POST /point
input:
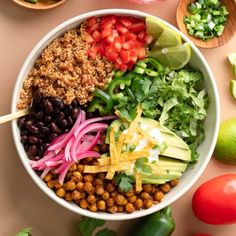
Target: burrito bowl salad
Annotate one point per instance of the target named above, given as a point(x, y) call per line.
point(116, 113)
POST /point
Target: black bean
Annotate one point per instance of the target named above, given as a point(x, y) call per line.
point(40, 115)
point(64, 123)
point(33, 139)
point(54, 128)
point(33, 129)
point(70, 121)
point(58, 103)
point(24, 132)
point(29, 122)
point(67, 109)
point(33, 150)
point(47, 119)
point(45, 130)
point(66, 131)
point(40, 141)
point(40, 151)
point(60, 116)
point(74, 103)
point(21, 122)
point(35, 158)
point(46, 145)
point(40, 125)
point(48, 106)
point(52, 136)
point(24, 139)
point(75, 113)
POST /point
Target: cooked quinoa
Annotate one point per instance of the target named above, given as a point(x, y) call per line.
point(65, 71)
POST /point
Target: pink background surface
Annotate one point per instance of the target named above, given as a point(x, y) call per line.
point(22, 203)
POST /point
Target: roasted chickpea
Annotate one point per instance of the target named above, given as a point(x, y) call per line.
point(80, 168)
point(51, 184)
point(98, 182)
point(114, 194)
point(129, 207)
point(112, 209)
point(68, 197)
point(144, 195)
point(57, 184)
point(83, 204)
point(99, 190)
point(70, 185)
point(120, 200)
point(101, 176)
point(132, 199)
point(88, 178)
point(130, 193)
point(88, 187)
point(110, 187)
point(68, 175)
point(110, 202)
point(165, 188)
point(101, 205)
point(138, 203)
point(104, 148)
point(105, 195)
point(147, 188)
point(73, 168)
point(120, 209)
point(174, 182)
point(91, 199)
point(60, 192)
point(77, 176)
point(48, 177)
point(93, 208)
point(147, 203)
point(158, 196)
point(76, 195)
point(80, 186)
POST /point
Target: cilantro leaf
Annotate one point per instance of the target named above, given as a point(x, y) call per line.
point(125, 182)
point(24, 232)
point(88, 225)
point(105, 232)
point(142, 167)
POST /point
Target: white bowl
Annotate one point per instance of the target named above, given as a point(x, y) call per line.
point(205, 149)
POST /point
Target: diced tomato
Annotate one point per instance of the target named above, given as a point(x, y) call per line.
point(125, 22)
point(133, 60)
point(125, 56)
point(137, 27)
point(91, 21)
point(148, 39)
point(133, 53)
point(89, 38)
point(92, 28)
point(106, 33)
point(119, 61)
point(96, 36)
point(92, 52)
point(123, 67)
point(121, 29)
point(112, 56)
point(110, 39)
point(100, 49)
point(130, 36)
point(126, 46)
point(115, 33)
point(142, 35)
point(117, 45)
point(141, 53)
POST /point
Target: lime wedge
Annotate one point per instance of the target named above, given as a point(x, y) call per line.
point(174, 57)
point(168, 38)
point(232, 87)
point(232, 60)
point(154, 27)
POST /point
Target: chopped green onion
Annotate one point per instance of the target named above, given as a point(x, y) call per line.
point(207, 19)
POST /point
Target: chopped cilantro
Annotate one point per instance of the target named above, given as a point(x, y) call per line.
point(125, 182)
point(142, 167)
point(24, 232)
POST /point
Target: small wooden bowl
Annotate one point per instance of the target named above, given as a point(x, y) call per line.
point(229, 31)
point(41, 5)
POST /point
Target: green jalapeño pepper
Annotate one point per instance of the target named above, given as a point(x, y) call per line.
point(119, 83)
point(101, 102)
point(159, 223)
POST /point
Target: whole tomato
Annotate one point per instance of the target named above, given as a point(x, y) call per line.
point(214, 202)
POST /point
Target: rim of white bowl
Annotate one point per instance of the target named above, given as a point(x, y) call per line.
point(36, 178)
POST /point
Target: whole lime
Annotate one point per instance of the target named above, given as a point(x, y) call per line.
point(225, 150)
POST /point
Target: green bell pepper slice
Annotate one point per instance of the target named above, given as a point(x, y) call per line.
point(101, 102)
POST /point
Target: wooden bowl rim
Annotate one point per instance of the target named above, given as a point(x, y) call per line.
point(36, 7)
point(198, 42)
